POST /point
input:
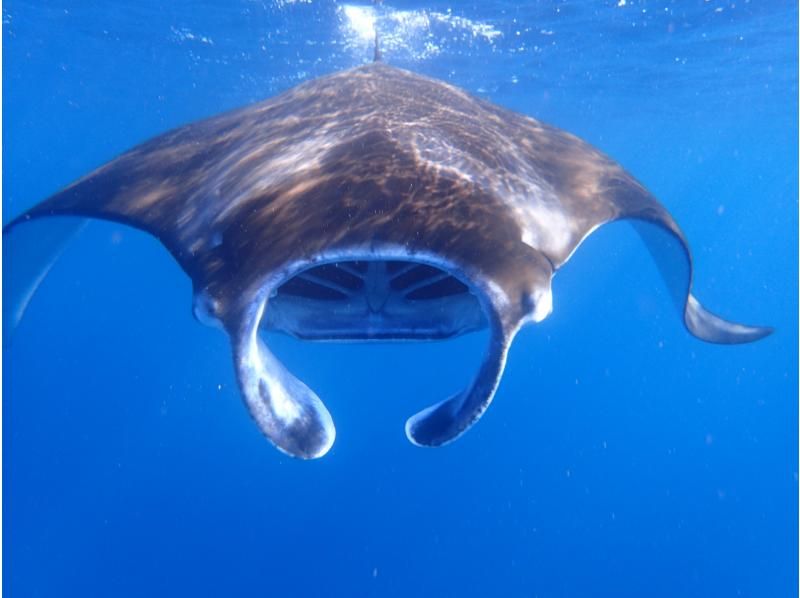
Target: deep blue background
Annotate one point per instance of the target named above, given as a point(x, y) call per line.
point(621, 457)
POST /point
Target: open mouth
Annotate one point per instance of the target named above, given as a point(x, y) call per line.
point(380, 297)
point(374, 299)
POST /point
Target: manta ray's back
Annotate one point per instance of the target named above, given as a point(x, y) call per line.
point(370, 204)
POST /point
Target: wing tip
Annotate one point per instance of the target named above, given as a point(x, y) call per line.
point(711, 328)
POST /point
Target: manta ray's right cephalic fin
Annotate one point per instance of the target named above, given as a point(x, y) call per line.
point(289, 413)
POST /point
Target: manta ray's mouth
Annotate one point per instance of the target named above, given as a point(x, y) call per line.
point(364, 296)
point(374, 299)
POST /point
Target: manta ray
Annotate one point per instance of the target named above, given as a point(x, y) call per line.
point(373, 204)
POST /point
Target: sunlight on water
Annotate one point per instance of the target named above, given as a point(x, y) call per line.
point(359, 22)
point(408, 34)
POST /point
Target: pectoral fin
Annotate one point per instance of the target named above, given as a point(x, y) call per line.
point(29, 251)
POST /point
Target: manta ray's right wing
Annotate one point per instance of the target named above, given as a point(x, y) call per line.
point(28, 254)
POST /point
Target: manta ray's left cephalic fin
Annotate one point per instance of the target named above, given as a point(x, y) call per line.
point(506, 307)
point(447, 420)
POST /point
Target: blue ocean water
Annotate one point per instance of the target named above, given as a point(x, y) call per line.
point(621, 456)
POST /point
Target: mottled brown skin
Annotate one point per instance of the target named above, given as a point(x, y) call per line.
point(381, 181)
point(374, 163)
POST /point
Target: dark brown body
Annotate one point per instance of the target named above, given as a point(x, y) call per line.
point(371, 155)
point(374, 164)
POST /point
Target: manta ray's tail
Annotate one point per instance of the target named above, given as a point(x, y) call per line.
point(377, 57)
point(30, 248)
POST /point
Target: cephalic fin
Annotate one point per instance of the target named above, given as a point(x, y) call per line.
point(287, 411)
point(445, 421)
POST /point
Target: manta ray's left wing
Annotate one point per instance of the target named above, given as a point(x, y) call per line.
point(584, 189)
